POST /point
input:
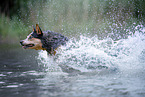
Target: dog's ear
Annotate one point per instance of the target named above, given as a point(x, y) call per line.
point(34, 30)
point(38, 30)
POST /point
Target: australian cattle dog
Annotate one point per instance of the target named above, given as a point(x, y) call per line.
point(43, 40)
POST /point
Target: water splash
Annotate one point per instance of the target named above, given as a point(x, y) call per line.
point(91, 54)
point(48, 62)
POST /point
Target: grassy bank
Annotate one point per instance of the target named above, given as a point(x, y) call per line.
point(74, 17)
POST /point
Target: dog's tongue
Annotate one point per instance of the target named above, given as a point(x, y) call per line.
point(24, 47)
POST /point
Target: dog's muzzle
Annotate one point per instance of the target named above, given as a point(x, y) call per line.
point(25, 46)
point(21, 42)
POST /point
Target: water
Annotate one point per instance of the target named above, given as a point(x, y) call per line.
point(86, 67)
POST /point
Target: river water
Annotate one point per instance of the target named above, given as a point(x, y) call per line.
point(85, 67)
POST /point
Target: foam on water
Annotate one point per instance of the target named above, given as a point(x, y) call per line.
point(91, 54)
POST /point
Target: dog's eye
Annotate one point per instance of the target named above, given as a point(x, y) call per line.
point(30, 37)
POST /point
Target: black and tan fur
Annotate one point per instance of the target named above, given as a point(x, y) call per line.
point(43, 40)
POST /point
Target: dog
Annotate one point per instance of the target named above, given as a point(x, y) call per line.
point(44, 40)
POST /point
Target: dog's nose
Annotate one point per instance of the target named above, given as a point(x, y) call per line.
point(21, 42)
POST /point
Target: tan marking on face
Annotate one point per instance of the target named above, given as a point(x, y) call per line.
point(37, 43)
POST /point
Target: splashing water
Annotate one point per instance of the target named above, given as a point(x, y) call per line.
point(92, 54)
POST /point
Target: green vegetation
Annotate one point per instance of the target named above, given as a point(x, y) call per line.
point(73, 17)
point(11, 27)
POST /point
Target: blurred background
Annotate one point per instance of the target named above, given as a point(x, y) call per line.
point(104, 18)
point(105, 56)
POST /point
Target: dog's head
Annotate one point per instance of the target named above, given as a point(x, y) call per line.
point(33, 40)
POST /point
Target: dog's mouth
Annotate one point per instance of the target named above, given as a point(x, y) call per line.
point(28, 45)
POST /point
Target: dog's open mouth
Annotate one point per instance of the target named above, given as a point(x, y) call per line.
point(27, 46)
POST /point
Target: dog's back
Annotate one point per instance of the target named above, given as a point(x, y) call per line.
point(52, 40)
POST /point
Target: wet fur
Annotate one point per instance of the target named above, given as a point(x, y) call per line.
point(52, 40)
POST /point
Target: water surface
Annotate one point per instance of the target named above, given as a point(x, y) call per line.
point(87, 67)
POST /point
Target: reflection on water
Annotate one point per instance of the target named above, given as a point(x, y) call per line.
point(15, 66)
point(29, 73)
